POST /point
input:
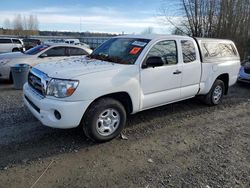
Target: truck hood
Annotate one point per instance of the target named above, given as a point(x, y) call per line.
point(73, 67)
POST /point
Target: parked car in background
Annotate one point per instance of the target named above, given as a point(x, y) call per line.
point(126, 75)
point(53, 41)
point(30, 43)
point(11, 45)
point(72, 41)
point(244, 75)
point(67, 41)
point(39, 54)
point(84, 44)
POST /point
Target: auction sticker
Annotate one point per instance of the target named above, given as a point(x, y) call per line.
point(138, 43)
point(134, 50)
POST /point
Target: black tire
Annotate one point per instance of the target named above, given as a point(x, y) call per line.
point(10, 78)
point(91, 119)
point(239, 83)
point(210, 99)
point(15, 50)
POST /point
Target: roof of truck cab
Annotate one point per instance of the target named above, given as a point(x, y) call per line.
point(154, 36)
point(159, 36)
point(213, 39)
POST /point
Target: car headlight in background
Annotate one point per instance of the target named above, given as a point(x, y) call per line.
point(61, 88)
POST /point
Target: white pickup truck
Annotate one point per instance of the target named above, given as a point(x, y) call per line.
point(126, 75)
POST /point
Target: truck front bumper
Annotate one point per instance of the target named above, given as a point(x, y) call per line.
point(54, 113)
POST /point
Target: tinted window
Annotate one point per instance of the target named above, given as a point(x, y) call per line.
point(167, 50)
point(120, 50)
point(56, 51)
point(212, 49)
point(4, 41)
point(16, 41)
point(76, 51)
point(188, 51)
point(36, 49)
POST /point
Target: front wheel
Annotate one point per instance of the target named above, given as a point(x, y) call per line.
point(104, 120)
point(215, 95)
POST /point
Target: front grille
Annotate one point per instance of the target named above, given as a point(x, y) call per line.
point(247, 70)
point(36, 83)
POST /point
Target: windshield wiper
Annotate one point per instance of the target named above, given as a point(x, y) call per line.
point(113, 59)
point(97, 56)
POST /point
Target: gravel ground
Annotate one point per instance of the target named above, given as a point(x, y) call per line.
point(187, 144)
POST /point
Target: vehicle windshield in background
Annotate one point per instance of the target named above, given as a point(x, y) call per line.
point(36, 49)
point(120, 50)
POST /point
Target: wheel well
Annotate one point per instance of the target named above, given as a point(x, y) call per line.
point(225, 79)
point(15, 49)
point(122, 97)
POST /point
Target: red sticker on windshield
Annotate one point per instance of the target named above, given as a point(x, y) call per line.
point(134, 50)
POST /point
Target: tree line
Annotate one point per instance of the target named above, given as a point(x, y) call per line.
point(21, 25)
point(227, 19)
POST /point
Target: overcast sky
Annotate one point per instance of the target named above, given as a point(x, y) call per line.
point(115, 16)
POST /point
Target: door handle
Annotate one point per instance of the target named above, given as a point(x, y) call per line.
point(177, 72)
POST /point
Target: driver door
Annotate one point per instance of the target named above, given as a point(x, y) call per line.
point(161, 85)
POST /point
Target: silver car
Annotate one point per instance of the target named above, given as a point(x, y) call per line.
point(39, 54)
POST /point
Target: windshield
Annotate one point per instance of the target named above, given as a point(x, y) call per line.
point(120, 50)
point(36, 49)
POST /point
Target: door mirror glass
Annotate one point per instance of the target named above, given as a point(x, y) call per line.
point(154, 61)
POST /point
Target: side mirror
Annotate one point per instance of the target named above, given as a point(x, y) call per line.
point(43, 55)
point(153, 61)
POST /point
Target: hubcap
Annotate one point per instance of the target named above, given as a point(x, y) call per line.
point(108, 122)
point(217, 94)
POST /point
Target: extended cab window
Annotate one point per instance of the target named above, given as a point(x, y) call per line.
point(188, 51)
point(217, 50)
point(5, 41)
point(56, 51)
point(167, 50)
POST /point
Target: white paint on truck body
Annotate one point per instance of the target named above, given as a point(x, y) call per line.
point(147, 87)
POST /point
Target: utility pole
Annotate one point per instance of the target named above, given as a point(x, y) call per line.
point(80, 24)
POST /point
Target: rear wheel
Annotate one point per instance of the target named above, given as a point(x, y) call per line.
point(215, 95)
point(15, 50)
point(104, 120)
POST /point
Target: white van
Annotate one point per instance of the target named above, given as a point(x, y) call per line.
point(11, 45)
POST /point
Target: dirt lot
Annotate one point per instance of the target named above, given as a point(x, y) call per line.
point(183, 145)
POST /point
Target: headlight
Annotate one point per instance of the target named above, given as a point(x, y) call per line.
point(61, 88)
